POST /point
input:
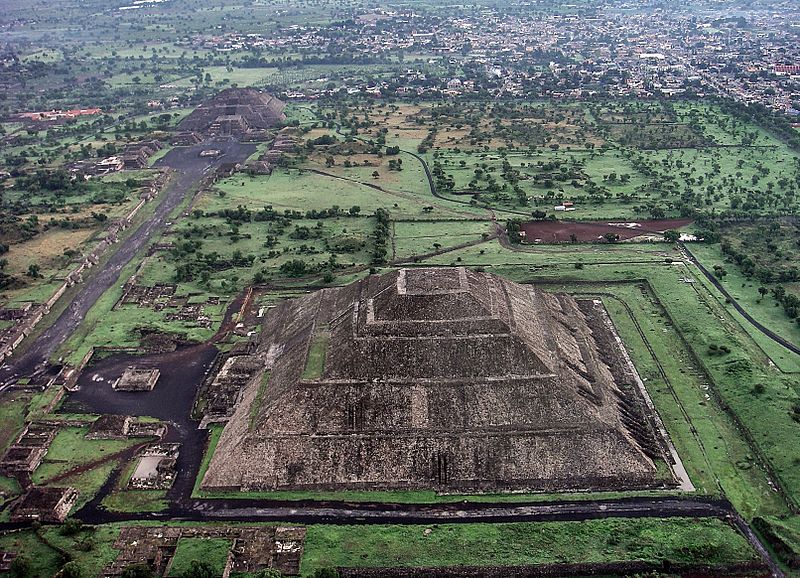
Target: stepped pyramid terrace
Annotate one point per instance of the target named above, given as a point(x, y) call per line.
point(239, 112)
point(444, 379)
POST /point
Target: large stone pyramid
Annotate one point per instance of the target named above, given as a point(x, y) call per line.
point(235, 111)
point(444, 379)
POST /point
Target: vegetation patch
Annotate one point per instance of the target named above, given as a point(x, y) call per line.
point(213, 551)
point(678, 540)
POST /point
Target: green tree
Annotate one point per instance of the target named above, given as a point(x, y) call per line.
point(70, 570)
point(671, 236)
point(71, 527)
point(294, 268)
point(268, 573)
point(21, 567)
point(200, 569)
point(326, 573)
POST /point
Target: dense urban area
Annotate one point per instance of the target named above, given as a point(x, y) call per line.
point(407, 289)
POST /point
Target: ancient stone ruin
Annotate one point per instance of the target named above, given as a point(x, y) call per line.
point(110, 427)
point(28, 450)
point(137, 379)
point(444, 379)
point(155, 467)
point(121, 427)
point(45, 505)
point(251, 548)
point(245, 113)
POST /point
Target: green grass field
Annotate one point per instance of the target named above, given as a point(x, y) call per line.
point(213, 551)
point(71, 450)
point(677, 540)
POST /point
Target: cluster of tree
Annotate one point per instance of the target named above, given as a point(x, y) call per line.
point(199, 267)
point(660, 136)
point(444, 181)
point(58, 181)
point(299, 268)
point(789, 301)
point(513, 230)
point(750, 268)
point(380, 237)
point(714, 349)
point(428, 141)
point(323, 140)
point(772, 120)
point(242, 214)
point(302, 233)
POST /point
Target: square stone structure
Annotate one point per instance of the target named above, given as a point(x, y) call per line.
point(110, 427)
point(136, 379)
point(45, 505)
point(445, 379)
point(29, 449)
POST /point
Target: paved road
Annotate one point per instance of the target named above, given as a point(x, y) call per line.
point(190, 168)
point(714, 281)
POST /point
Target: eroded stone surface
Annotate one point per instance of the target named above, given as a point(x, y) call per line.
point(444, 379)
point(239, 112)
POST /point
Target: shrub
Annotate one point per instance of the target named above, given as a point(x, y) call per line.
point(140, 570)
point(326, 573)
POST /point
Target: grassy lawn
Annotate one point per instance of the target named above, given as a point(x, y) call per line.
point(13, 409)
point(211, 550)
point(9, 489)
point(418, 237)
point(677, 540)
point(70, 450)
point(714, 453)
point(136, 501)
point(214, 433)
point(764, 309)
point(45, 561)
point(92, 559)
point(315, 363)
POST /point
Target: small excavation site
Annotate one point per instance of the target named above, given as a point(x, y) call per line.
point(596, 231)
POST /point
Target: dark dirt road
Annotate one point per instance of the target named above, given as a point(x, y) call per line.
point(190, 168)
